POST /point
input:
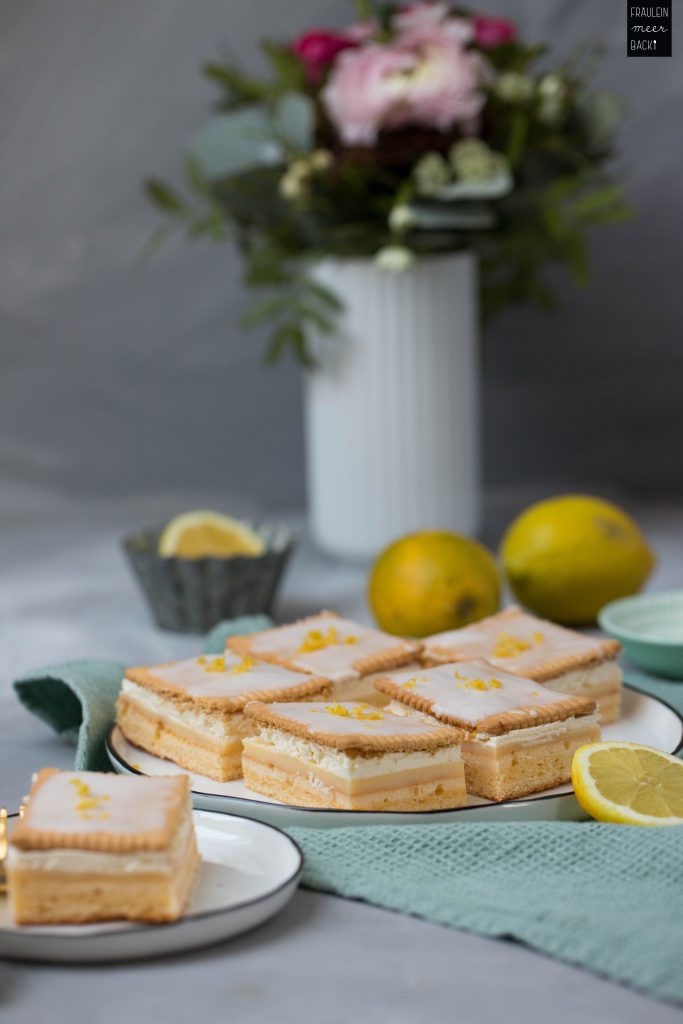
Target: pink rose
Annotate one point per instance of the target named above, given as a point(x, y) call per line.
point(490, 32)
point(318, 48)
point(425, 78)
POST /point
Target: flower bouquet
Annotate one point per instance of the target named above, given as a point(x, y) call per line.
point(418, 130)
point(384, 184)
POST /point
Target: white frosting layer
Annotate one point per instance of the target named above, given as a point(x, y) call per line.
point(336, 660)
point(339, 763)
point(322, 717)
point(122, 804)
point(471, 690)
point(539, 733)
point(220, 726)
point(198, 677)
point(584, 680)
point(96, 862)
point(545, 641)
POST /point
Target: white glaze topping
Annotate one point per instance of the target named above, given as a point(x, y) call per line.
point(352, 719)
point(517, 642)
point(80, 802)
point(472, 690)
point(342, 643)
point(226, 675)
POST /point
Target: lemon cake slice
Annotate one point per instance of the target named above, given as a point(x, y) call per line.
point(517, 737)
point(353, 756)
point(524, 645)
point(96, 847)
point(190, 712)
point(348, 654)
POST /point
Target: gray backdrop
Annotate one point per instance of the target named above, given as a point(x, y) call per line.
point(117, 380)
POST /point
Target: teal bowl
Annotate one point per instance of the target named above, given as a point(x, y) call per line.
point(650, 628)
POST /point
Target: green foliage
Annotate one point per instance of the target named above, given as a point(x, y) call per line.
point(269, 174)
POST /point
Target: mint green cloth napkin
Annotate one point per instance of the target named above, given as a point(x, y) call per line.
point(606, 898)
point(603, 897)
point(77, 698)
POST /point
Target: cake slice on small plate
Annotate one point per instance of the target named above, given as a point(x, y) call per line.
point(190, 712)
point(353, 756)
point(97, 847)
point(348, 654)
point(517, 737)
point(526, 646)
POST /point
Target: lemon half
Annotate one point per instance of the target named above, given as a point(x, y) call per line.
point(629, 784)
point(206, 534)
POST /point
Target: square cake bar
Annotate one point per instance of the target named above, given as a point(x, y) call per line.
point(348, 654)
point(517, 737)
point(96, 847)
point(525, 646)
point(352, 756)
point(190, 712)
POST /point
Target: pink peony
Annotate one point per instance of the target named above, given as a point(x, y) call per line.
point(424, 15)
point(426, 77)
point(318, 48)
point(364, 86)
point(490, 32)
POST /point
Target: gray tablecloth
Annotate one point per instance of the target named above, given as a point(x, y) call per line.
point(65, 592)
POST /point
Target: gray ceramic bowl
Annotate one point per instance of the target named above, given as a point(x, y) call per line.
point(191, 595)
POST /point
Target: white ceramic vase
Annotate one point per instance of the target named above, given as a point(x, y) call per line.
point(392, 412)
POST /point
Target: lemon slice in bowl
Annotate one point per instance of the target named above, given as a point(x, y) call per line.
point(206, 534)
point(629, 784)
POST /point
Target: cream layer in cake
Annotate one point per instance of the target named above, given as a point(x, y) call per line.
point(353, 757)
point(343, 651)
point(191, 712)
point(89, 849)
point(533, 648)
point(517, 737)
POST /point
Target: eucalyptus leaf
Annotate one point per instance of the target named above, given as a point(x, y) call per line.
point(467, 216)
point(232, 142)
point(294, 120)
point(499, 184)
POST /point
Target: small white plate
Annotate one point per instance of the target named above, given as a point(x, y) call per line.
point(248, 872)
point(644, 719)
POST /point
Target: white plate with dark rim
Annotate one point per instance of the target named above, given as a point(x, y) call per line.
point(248, 872)
point(645, 719)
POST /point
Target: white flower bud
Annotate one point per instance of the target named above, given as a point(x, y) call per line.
point(401, 218)
point(293, 183)
point(394, 258)
point(431, 174)
point(513, 87)
point(551, 87)
point(320, 160)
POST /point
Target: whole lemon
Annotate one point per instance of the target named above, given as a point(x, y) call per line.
point(432, 581)
point(568, 556)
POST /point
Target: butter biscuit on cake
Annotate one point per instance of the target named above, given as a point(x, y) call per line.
point(348, 654)
point(191, 712)
point(524, 645)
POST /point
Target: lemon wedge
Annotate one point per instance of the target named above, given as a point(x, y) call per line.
point(629, 784)
point(206, 534)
